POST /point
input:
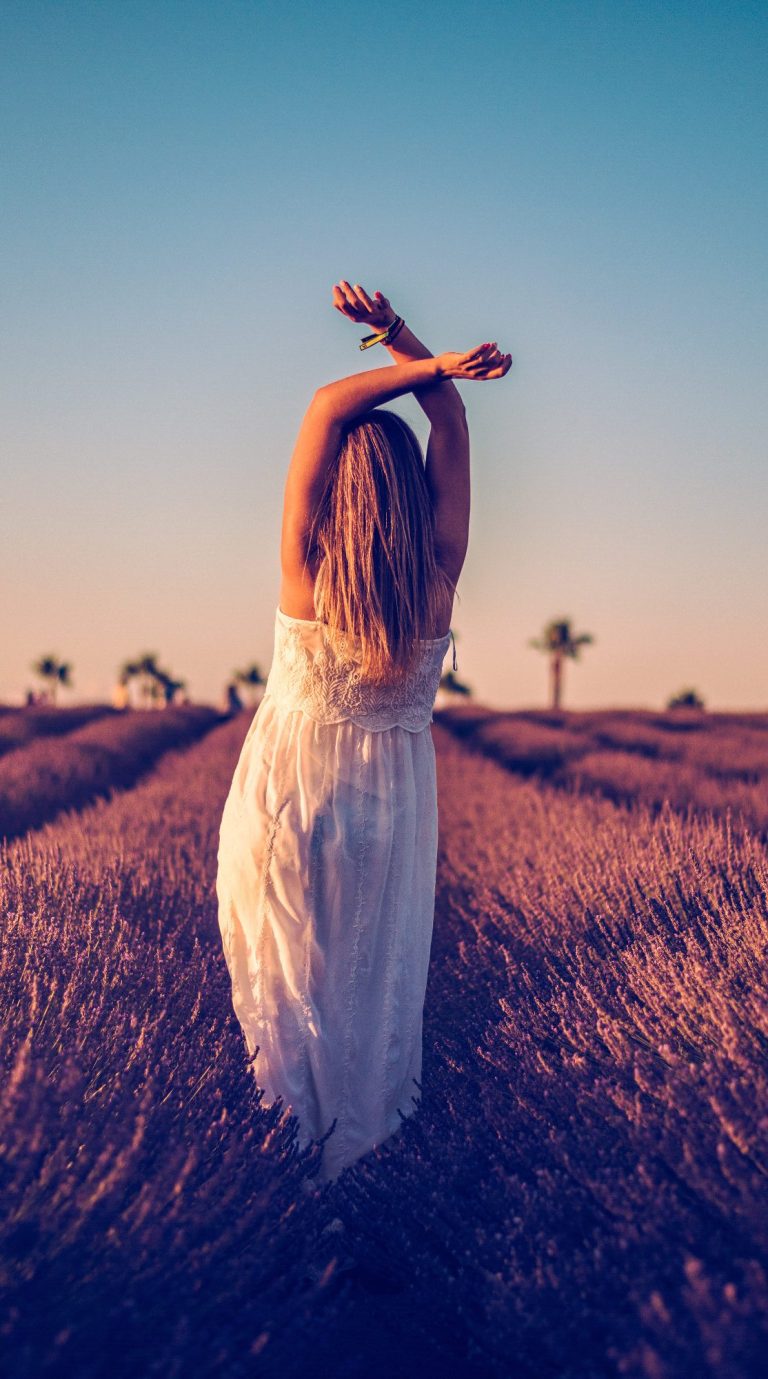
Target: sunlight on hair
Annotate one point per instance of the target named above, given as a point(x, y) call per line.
point(373, 540)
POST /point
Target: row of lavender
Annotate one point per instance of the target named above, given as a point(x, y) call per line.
point(582, 1192)
point(150, 1196)
point(702, 762)
point(18, 726)
point(588, 1191)
point(64, 766)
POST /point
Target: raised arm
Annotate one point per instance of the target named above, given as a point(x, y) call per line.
point(447, 467)
point(317, 446)
point(333, 407)
point(441, 399)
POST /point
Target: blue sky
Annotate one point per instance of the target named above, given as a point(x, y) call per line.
point(585, 183)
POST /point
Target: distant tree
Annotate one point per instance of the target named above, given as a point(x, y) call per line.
point(686, 699)
point(127, 674)
point(559, 642)
point(168, 686)
point(53, 673)
point(143, 670)
point(452, 685)
point(156, 686)
point(251, 679)
point(232, 701)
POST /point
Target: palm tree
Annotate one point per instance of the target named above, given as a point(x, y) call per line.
point(558, 641)
point(168, 685)
point(143, 669)
point(149, 678)
point(450, 684)
point(128, 672)
point(54, 672)
point(251, 679)
point(686, 699)
point(156, 685)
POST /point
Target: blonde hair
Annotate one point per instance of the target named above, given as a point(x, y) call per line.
point(373, 543)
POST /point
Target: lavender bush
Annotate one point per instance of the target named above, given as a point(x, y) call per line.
point(21, 725)
point(583, 1190)
point(701, 762)
point(42, 778)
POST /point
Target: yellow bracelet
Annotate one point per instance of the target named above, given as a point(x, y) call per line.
point(382, 336)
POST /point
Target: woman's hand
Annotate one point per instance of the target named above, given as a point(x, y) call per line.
point(485, 361)
point(356, 305)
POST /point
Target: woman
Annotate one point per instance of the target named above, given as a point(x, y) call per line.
point(328, 840)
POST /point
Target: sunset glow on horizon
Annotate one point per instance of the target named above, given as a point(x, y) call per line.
point(185, 182)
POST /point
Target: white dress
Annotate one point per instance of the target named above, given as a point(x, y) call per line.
point(326, 887)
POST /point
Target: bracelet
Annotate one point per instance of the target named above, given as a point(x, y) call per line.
point(394, 330)
point(383, 337)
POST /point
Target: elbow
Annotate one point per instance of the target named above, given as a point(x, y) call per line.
point(321, 406)
point(325, 403)
point(324, 409)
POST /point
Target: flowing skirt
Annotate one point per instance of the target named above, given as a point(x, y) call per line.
point(326, 891)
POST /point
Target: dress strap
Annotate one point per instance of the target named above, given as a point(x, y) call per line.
point(453, 641)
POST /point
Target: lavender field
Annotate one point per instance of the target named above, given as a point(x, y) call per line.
point(90, 757)
point(584, 1191)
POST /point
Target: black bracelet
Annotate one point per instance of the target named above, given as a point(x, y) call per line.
point(383, 337)
point(394, 330)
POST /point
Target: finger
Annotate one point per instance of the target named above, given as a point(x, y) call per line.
point(339, 300)
point(494, 365)
point(493, 356)
point(348, 293)
point(498, 370)
point(341, 304)
point(474, 359)
point(359, 303)
point(472, 355)
point(345, 311)
point(364, 298)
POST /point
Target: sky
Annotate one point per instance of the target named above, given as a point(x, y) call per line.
point(583, 182)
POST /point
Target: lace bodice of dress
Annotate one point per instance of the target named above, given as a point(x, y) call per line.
point(324, 680)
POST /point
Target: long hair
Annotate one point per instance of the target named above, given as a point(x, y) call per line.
point(373, 541)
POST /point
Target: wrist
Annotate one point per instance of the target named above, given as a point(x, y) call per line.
point(382, 322)
point(440, 367)
point(383, 335)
